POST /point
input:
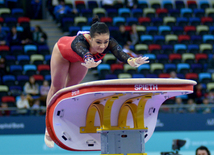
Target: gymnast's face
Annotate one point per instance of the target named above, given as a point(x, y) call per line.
point(99, 43)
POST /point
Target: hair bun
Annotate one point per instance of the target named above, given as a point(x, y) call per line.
point(95, 19)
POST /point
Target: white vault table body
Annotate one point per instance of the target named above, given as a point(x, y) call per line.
point(76, 113)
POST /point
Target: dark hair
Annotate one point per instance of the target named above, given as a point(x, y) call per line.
point(39, 28)
point(98, 27)
point(202, 148)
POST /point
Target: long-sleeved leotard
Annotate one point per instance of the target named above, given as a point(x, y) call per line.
point(76, 48)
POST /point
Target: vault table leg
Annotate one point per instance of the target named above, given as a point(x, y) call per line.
point(122, 142)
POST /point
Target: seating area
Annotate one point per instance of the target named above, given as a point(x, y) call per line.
point(175, 35)
point(21, 60)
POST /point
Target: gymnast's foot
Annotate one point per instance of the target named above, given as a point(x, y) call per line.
point(48, 141)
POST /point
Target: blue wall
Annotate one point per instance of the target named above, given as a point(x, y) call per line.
point(24, 135)
point(165, 122)
point(159, 142)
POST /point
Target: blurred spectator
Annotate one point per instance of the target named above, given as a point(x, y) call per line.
point(31, 88)
point(36, 9)
point(134, 35)
point(123, 36)
point(3, 36)
point(36, 107)
point(39, 36)
point(3, 111)
point(206, 109)
point(132, 4)
point(26, 36)
point(202, 150)
point(173, 75)
point(210, 68)
point(108, 4)
point(178, 108)
point(128, 51)
point(118, 4)
point(198, 93)
point(36, 104)
point(13, 37)
point(50, 7)
point(60, 10)
point(191, 106)
point(210, 97)
point(23, 104)
point(44, 92)
point(3, 67)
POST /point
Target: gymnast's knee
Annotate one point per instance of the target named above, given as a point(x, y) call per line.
point(55, 88)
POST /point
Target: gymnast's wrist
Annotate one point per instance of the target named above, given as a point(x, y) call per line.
point(130, 59)
point(87, 56)
point(132, 62)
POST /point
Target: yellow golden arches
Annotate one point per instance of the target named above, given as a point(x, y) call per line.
point(137, 111)
point(140, 110)
point(122, 118)
point(105, 122)
point(90, 118)
point(107, 112)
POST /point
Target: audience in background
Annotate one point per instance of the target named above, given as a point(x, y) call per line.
point(191, 106)
point(13, 37)
point(205, 109)
point(36, 9)
point(61, 9)
point(178, 106)
point(31, 88)
point(50, 7)
point(44, 91)
point(131, 4)
point(39, 36)
point(3, 36)
point(173, 75)
point(23, 104)
point(134, 35)
point(26, 36)
point(202, 150)
point(198, 93)
point(210, 97)
point(123, 36)
point(4, 112)
point(210, 65)
point(107, 4)
point(3, 67)
point(36, 107)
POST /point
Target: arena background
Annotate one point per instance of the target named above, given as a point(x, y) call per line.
point(20, 135)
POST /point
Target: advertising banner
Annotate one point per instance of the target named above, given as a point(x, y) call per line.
point(165, 122)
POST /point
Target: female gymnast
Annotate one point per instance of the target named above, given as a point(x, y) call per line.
point(73, 56)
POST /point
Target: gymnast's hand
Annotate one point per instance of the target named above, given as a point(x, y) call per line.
point(136, 62)
point(90, 63)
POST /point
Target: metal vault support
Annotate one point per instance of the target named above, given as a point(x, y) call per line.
point(122, 142)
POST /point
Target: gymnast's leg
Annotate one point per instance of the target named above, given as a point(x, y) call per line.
point(71, 74)
point(59, 72)
point(76, 74)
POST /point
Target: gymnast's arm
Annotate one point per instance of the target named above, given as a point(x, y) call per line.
point(81, 47)
point(117, 51)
